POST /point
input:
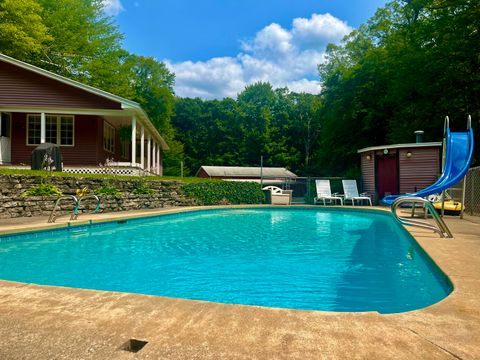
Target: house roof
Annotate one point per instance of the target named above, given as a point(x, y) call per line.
point(126, 104)
point(401, 146)
point(246, 171)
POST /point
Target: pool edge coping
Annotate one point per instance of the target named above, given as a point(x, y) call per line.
point(177, 210)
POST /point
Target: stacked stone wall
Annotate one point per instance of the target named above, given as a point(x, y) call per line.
point(14, 204)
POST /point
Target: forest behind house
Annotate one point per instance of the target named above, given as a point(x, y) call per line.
point(411, 64)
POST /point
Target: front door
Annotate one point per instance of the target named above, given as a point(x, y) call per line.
point(387, 175)
point(5, 138)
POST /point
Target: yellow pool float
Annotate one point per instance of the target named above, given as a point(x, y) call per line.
point(450, 206)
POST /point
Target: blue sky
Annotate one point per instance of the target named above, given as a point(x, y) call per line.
point(217, 47)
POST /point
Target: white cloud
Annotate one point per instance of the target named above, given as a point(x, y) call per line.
point(283, 57)
point(112, 7)
point(318, 31)
point(215, 78)
point(272, 39)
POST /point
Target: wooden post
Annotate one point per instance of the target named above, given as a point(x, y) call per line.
point(142, 147)
point(149, 152)
point(158, 160)
point(154, 161)
point(134, 140)
point(43, 126)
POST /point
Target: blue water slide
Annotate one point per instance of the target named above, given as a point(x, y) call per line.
point(459, 152)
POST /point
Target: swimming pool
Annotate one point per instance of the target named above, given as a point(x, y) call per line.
point(301, 258)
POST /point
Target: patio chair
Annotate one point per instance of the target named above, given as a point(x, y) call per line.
point(324, 193)
point(350, 191)
point(277, 196)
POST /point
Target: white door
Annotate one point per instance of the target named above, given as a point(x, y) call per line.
point(5, 138)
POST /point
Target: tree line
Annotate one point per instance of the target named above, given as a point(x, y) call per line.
point(408, 66)
point(405, 69)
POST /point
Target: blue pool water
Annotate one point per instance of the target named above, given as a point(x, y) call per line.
point(321, 259)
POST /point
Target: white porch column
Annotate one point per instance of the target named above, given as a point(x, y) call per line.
point(43, 125)
point(149, 151)
point(154, 157)
point(160, 170)
point(142, 147)
point(158, 160)
point(134, 140)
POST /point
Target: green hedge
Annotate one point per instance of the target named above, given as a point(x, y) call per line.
point(224, 192)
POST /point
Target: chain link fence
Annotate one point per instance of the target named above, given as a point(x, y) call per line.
point(472, 192)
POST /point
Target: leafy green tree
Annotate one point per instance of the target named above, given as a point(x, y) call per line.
point(81, 36)
point(410, 65)
point(22, 29)
point(305, 127)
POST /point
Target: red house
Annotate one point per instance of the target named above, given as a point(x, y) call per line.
point(37, 106)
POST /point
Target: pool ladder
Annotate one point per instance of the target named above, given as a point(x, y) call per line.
point(440, 227)
point(77, 201)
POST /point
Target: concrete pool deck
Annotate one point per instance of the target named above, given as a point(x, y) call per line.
point(46, 322)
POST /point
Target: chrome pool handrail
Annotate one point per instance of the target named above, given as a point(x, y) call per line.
point(441, 228)
point(52, 217)
point(80, 199)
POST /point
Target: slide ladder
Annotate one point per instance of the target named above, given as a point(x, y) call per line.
point(440, 227)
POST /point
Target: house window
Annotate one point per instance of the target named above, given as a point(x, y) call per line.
point(51, 129)
point(108, 137)
point(66, 130)
point(58, 129)
point(33, 129)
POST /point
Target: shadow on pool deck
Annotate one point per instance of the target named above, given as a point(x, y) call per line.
point(42, 322)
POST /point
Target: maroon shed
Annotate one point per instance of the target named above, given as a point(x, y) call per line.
point(399, 168)
point(37, 106)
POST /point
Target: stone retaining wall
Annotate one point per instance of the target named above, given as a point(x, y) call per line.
point(13, 204)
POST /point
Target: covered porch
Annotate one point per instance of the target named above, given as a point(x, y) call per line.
point(94, 129)
point(89, 141)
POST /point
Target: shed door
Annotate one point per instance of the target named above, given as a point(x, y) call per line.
point(387, 175)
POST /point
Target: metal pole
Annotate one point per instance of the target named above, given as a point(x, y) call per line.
point(443, 203)
point(261, 171)
point(471, 194)
point(308, 188)
point(446, 126)
point(462, 206)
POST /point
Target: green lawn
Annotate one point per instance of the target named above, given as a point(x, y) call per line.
point(103, 176)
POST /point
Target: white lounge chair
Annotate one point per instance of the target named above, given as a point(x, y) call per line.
point(324, 193)
point(350, 191)
point(278, 196)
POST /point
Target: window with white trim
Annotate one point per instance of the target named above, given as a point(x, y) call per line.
point(108, 137)
point(66, 130)
point(59, 129)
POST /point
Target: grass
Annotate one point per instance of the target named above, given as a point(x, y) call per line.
point(27, 172)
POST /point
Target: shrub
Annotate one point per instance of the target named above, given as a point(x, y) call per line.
point(107, 189)
point(224, 192)
point(43, 190)
point(142, 188)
